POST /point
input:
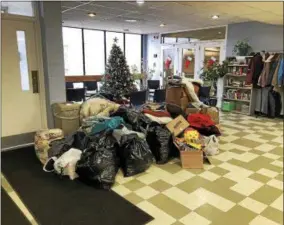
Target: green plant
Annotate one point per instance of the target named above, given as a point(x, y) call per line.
point(215, 71)
point(241, 48)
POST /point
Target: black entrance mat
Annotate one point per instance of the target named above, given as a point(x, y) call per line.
point(57, 201)
point(10, 213)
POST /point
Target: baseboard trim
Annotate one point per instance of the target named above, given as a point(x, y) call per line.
point(17, 141)
point(16, 147)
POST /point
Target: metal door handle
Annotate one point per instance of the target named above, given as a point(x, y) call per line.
point(35, 81)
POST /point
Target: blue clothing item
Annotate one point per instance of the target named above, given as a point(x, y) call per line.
point(281, 73)
point(106, 125)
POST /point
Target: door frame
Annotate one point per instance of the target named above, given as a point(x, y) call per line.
point(42, 92)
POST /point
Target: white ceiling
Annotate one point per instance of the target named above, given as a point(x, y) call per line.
point(177, 16)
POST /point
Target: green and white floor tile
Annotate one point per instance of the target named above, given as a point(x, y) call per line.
point(243, 186)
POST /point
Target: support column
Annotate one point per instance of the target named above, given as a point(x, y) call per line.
point(53, 54)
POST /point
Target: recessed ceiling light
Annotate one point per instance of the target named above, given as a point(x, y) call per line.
point(140, 2)
point(131, 21)
point(215, 17)
point(92, 14)
point(162, 25)
point(219, 32)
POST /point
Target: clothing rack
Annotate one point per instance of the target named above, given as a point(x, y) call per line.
point(259, 113)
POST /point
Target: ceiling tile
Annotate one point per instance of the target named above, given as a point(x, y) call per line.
point(274, 7)
point(178, 15)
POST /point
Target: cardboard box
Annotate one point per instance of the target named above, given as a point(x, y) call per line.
point(178, 96)
point(194, 159)
point(213, 112)
point(191, 159)
point(177, 126)
point(189, 111)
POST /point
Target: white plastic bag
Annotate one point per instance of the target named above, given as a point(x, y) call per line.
point(211, 145)
point(66, 164)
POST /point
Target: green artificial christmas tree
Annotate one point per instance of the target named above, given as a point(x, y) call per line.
point(118, 80)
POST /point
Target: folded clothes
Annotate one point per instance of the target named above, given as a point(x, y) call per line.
point(204, 124)
point(157, 113)
point(199, 120)
point(94, 125)
point(160, 120)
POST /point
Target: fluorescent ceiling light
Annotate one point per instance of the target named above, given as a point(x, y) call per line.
point(162, 25)
point(140, 2)
point(91, 14)
point(215, 17)
point(131, 21)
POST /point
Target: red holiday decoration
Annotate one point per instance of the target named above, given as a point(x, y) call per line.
point(187, 61)
point(210, 62)
point(168, 63)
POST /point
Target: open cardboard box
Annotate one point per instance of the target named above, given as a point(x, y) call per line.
point(189, 159)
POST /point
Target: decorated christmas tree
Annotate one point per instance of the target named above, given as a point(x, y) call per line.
point(118, 80)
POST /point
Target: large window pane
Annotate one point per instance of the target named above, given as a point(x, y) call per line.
point(94, 52)
point(18, 8)
point(133, 51)
point(73, 52)
point(110, 36)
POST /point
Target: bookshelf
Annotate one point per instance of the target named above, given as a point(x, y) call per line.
point(236, 91)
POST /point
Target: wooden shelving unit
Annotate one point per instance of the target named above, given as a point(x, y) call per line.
point(237, 76)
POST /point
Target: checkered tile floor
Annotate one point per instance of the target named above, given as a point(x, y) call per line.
point(243, 186)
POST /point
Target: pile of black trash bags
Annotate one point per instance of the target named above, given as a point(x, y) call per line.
point(103, 153)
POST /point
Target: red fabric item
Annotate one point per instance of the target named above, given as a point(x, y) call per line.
point(157, 113)
point(210, 62)
point(168, 63)
point(187, 63)
point(199, 120)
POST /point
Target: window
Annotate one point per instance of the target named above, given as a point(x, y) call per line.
point(133, 51)
point(110, 36)
point(18, 8)
point(170, 40)
point(94, 52)
point(73, 51)
point(24, 71)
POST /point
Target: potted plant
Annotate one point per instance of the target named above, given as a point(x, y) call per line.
point(215, 71)
point(242, 48)
point(212, 73)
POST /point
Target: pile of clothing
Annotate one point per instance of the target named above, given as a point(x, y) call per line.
point(201, 134)
point(113, 136)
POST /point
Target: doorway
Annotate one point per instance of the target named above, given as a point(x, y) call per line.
point(21, 100)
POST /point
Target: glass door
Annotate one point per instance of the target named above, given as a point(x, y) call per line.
point(212, 52)
point(187, 60)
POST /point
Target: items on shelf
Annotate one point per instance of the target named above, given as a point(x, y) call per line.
point(237, 94)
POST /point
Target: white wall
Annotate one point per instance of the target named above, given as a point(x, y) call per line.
point(154, 47)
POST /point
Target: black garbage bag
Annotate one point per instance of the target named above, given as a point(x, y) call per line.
point(160, 141)
point(77, 140)
point(135, 120)
point(99, 163)
point(135, 155)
